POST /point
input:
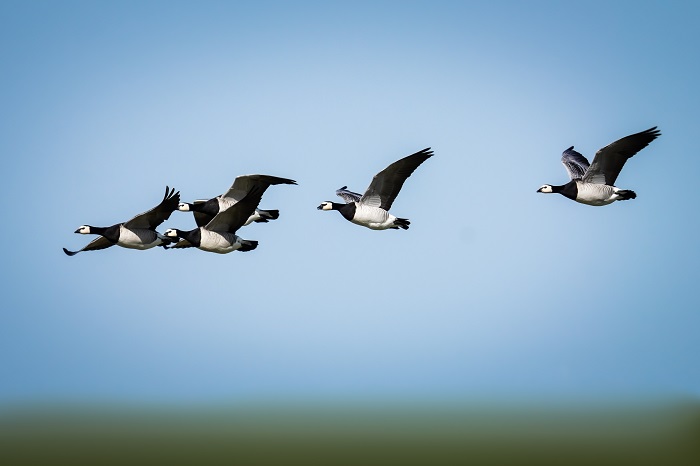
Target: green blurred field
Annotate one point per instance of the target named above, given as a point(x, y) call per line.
point(351, 435)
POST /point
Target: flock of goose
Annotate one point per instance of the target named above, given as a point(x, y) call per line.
point(218, 219)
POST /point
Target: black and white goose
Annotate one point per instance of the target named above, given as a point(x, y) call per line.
point(371, 209)
point(205, 210)
point(137, 233)
point(593, 184)
point(219, 234)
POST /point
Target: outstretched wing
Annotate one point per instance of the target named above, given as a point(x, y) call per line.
point(244, 183)
point(386, 184)
point(157, 215)
point(348, 196)
point(575, 163)
point(235, 216)
point(609, 160)
point(98, 243)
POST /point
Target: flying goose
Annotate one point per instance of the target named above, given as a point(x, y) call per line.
point(219, 234)
point(593, 184)
point(205, 210)
point(371, 209)
point(137, 233)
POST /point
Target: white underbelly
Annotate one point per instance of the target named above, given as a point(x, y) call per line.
point(595, 194)
point(595, 202)
point(375, 218)
point(138, 239)
point(219, 242)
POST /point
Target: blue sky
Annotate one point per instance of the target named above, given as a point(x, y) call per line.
point(494, 291)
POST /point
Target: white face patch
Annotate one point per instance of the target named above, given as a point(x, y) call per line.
point(170, 233)
point(326, 206)
point(183, 207)
point(83, 230)
point(545, 189)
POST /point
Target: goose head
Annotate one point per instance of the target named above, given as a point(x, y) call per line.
point(328, 205)
point(172, 233)
point(83, 229)
point(183, 207)
point(546, 188)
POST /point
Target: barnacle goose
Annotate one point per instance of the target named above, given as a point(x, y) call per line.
point(137, 233)
point(205, 210)
point(593, 184)
point(371, 209)
point(219, 234)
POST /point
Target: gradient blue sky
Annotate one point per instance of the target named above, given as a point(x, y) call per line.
point(494, 291)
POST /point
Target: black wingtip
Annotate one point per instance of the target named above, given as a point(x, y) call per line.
point(654, 132)
point(70, 253)
point(427, 151)
point(274, 180)
point(169, 193)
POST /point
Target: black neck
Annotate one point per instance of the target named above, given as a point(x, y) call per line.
point(194, 237)
point(347, 210)
point(569, 189)
point(98, 230)
point(210, 207)
point(111, 233)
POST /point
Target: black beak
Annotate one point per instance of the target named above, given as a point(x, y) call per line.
point(539, 190)
point(320, 207)
point(77, 231)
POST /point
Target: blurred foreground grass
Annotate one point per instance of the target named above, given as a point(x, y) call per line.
point(352, 435)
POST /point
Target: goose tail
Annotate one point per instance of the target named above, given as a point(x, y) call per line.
point(267, 215)
point(626, 194)
point(402, 223)
point(247, 245)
